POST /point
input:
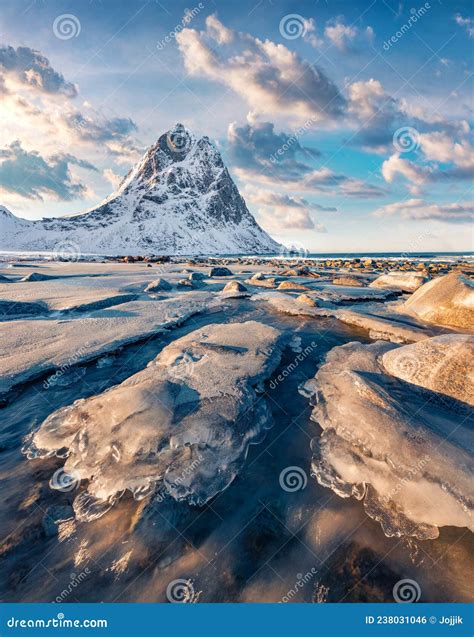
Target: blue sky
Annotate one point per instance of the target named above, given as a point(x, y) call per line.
point(347, 125)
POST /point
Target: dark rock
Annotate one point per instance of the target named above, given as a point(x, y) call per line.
point(220, 271)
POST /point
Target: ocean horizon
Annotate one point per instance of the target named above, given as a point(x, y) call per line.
point(290, 255)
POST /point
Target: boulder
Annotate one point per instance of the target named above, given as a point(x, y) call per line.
point(406, 281)
point(220, 271)
point(442, 364)
point(197, 276)
point(447, 300)
point(291, 285)
point(304, 298)
point(159, 285)
point(350, 281)
point(235, 289)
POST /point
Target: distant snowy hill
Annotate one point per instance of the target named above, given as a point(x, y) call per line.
point(178, 199)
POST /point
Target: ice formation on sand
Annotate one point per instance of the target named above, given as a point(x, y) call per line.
point(181, 426)
point(377, 326)
point(352, 294)
point(443, 364)
point(405, 281)
point(26, 353)
point(382, 328)
point(447, 300)
point(399, 448)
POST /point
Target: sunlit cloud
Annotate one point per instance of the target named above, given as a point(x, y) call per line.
point(271, 78)
point(418, 209)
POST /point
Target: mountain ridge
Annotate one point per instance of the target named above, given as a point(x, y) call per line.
point(179, 199)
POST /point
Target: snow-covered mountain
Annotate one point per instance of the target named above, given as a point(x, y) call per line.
point(178, 199)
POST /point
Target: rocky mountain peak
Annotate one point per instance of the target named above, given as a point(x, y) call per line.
point(178, 199)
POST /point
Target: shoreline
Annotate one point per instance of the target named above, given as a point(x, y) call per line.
point(429, 265)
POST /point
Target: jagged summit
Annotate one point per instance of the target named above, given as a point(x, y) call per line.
point(178, 199)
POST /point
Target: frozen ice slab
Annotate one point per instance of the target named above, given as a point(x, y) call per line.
point(401, 449)
point(443, 364)
point(287, 304)
point(378, 327)
point(382, 328)
point(348, 294)
point(405, 281)
point(181, 426)
point(66, 294)
point(30, 348)
point(447, 300)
